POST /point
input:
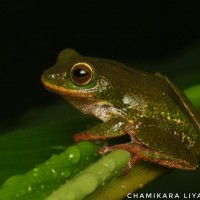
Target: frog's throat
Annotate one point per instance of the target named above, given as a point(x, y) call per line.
point(65, 92)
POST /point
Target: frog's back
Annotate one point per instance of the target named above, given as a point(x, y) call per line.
point(154, 92)
point(155, 96)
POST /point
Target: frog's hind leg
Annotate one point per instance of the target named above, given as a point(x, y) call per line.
point(153, 143)
point(150, 142)
point(141, 152)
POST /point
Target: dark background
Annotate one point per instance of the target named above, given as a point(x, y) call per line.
point(33, 32)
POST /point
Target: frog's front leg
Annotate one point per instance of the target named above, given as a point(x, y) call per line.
point(153, 143)
point(110, 129)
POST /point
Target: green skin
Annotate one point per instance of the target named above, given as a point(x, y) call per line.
point(150, 109)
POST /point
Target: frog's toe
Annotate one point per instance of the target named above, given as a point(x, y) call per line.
point(107, 149)
point(135, 158)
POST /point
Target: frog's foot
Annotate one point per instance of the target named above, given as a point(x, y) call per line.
point(127, 147)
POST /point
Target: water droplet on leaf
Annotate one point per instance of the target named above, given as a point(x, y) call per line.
point(29, 189)
point(54, 172)
point(73, 154)
point(66, 173)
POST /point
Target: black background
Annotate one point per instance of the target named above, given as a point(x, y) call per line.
point(33, 32)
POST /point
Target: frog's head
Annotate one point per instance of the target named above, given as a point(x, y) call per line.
point(69, 76)
point(93, 85)
point(77, 76)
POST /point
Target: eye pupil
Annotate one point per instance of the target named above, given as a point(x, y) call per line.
point(81, 74)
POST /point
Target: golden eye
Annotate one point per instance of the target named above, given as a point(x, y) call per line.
point(81, 73)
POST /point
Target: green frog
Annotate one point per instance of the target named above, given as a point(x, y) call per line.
point(158, 119)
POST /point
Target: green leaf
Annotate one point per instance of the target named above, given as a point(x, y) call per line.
point(22, 149)
point(46, 177)
point(96, 175)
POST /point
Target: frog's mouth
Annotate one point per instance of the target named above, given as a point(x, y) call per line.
point(64, 91)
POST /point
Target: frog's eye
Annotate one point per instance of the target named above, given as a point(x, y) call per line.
point(81, 73)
